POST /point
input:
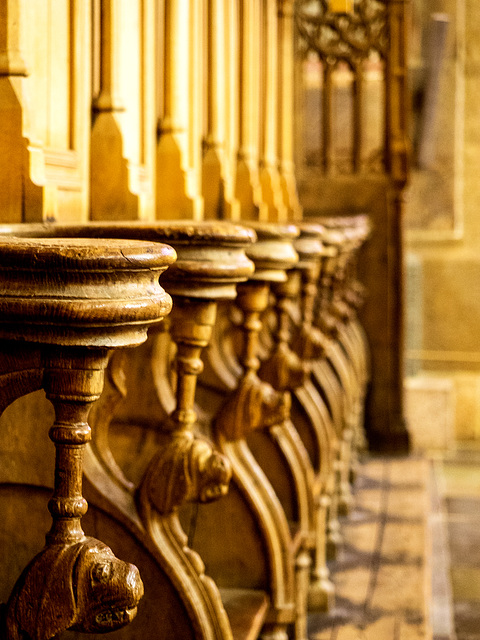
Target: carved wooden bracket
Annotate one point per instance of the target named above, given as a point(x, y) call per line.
point(185, 467)
point(254, 404)
point(63, 306)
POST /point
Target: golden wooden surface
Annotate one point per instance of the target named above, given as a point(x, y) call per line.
point(223, 446)
point(64, 306)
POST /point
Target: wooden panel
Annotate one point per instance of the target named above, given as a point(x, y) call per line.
point(46, 110)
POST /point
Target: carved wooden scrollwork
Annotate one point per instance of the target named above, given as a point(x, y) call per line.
point(185, 469)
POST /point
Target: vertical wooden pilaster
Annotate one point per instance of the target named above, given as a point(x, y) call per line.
point(232, 87)
point(122, 159)
point(394, 435)
point(178, 173)
point(218, 179)
point(12, 73)
point(249, 190)
point(286, 109)
point(269, 160)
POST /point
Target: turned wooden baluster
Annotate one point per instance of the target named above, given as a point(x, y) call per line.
point(63, 306)
point(185, 468)
point(210, 262)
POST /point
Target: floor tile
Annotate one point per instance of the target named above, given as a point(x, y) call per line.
point(468, 506)
point(467, 617)
point(464, 537)
point(466, 584)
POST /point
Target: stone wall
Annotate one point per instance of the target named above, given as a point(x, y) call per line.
point(448, 246)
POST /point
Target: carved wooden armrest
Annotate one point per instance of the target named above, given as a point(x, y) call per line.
point(276, 262)
point(345, 236)
point(211, 261)
point(310, 342)
point(183, 467)
point(275, 258)
point(256, 404)
point(63, 306)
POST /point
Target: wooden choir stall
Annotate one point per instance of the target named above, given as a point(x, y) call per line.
point(185, 358)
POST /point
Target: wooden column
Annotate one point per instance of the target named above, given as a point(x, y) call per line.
point(286, 112)
point(178, 173)
point(269, 117)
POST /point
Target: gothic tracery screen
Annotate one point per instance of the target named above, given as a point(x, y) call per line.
point(342, 75)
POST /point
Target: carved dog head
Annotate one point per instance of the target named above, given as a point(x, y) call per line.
point(80, 586)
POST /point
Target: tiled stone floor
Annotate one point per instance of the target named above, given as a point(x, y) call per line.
point(458, 476)
point(382, 573)
point(409, 568)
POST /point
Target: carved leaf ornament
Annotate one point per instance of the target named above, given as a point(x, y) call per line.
point(347, 37)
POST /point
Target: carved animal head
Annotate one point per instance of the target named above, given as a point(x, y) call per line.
point(253, 405)
point(284, 370)
point(80, 586)
point(185, 468)
point(210, 472)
